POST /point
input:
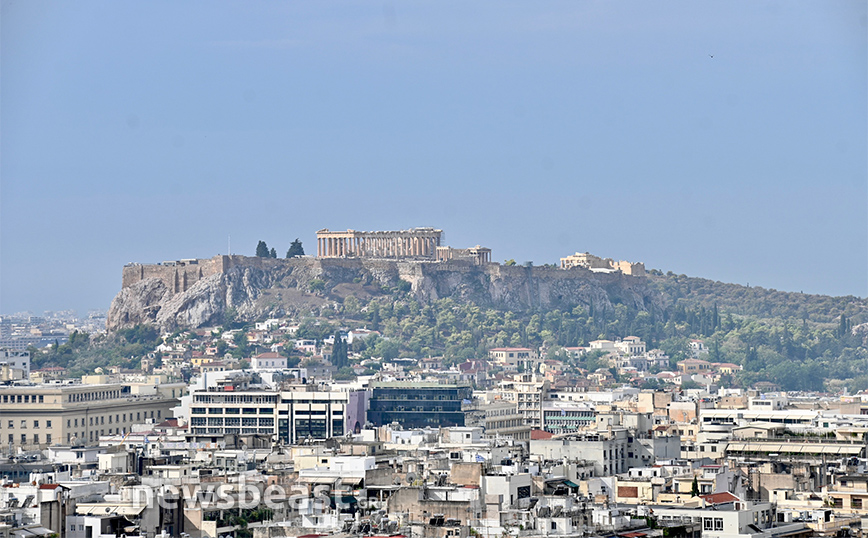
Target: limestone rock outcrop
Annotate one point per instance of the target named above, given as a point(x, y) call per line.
point(250, 288)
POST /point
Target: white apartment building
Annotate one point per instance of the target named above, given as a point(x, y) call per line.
point(233, 407)
point(14, 365)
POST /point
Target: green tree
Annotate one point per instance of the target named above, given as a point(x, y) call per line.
point(694, 488)
point(316, 285)
point(339, 352)
point(262, 250)
point(295, 249)
point(272, 253)
point(509, 262)
point(843, 326)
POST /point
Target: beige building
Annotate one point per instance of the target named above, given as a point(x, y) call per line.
point(630, 268)
point(514, 358)
point(37, 416)
point(587, 260)
point(478, 254)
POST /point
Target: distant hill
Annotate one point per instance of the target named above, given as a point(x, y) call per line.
point(757, 301)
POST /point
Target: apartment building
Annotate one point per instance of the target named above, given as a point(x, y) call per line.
point(14, 365)
point(528, 391)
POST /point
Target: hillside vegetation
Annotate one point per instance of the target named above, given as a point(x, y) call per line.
point(797, 341)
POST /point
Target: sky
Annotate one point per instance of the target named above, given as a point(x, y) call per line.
point(724, 140)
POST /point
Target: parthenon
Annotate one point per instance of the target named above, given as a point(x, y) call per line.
point(412, 243)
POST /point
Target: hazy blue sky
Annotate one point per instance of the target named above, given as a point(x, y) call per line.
point(718, 139)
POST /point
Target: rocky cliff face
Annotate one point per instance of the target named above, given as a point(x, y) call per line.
point(250, 291)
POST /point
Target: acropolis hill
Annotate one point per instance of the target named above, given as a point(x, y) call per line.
point(197, 292)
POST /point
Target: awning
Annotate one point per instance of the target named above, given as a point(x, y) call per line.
point(345, 499)
point(318, 479)
point(348, 480)
point(109, 509)
point(795, 448)
point(570, 483)
point(32, 531)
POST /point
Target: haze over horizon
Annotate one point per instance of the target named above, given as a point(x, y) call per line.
point(724, 141)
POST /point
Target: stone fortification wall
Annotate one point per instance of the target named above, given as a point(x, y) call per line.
point(176, 276)
point(179, 276)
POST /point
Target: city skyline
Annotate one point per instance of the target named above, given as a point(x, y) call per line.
point(719, 141)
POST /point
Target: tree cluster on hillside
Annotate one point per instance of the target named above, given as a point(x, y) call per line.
point(295, 250)
point(756, 301)
point(799, 342)
point(793, 353)
point(82, 354)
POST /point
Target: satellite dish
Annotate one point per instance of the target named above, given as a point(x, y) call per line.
point(411, 477)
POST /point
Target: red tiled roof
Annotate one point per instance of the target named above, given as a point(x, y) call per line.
point(537, 435)
point(720, 498)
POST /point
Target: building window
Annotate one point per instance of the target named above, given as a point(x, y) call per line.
point(707, 524)
point(718, 523)
point(35, 438)
point(23, 438)
point(47, 423)
point(856, 502)
point(23, 424)
point(35, 424)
